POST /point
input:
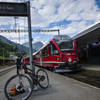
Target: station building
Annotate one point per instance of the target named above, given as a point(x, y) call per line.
point(88, 44)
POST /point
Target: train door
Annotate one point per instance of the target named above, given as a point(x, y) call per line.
point(37, 59)
point(54, 57)
point(44, 56)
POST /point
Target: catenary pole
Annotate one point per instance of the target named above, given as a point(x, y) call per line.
point(30, 38)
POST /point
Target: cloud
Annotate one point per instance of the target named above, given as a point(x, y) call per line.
point(77, 11)
point(80, 13)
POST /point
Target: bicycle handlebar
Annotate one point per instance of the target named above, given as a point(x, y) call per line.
point(26, 69)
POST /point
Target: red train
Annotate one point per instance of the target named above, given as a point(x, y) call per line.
point(59, 55)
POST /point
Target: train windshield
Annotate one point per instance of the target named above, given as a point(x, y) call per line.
point(66, 46)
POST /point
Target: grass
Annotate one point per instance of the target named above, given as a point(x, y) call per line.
point(6, 58)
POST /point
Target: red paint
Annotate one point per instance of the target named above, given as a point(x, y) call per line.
point(53, 60)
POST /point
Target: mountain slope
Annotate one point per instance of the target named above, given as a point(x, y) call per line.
point(6, 49)
point(20, 47)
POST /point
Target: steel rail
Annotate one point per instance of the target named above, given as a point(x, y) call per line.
point(3, 71)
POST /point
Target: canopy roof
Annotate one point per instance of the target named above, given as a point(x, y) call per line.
point(88, 36)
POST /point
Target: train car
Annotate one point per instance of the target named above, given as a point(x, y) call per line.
point(58, 55)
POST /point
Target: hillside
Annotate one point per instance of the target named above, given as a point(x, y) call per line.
point(22, 48)
point(9, 48)
point(6, 49)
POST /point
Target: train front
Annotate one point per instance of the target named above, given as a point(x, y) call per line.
point(69, 55)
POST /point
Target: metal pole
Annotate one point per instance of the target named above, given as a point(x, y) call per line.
point(3, 57)
point(19, 42)
point(58, 32)
point(30, 37)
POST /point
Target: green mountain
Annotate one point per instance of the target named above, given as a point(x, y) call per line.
point(6, 49)
point(21, 49)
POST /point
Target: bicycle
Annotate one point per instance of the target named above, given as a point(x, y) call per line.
point(20, 86)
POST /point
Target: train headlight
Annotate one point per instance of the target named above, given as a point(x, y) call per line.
point(69, 59)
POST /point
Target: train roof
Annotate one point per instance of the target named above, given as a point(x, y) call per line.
point(88, 36)
point(58, 38)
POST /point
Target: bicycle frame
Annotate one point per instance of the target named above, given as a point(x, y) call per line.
point(35, 77)
point(18, 88)
point(31, 74)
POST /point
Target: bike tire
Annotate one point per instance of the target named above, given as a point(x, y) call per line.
point(42, 83)
point(27, 81)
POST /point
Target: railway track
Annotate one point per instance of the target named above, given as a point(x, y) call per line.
point(90, 77)
point(86, 75)
point(4, 70)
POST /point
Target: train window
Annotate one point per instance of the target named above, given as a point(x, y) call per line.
point(49, 47)
point(37, 56)
point(44, 52)
point(53, 50)
point(66, 46)
point(34, 57)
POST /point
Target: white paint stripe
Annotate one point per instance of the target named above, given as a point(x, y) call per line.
point(51, 62)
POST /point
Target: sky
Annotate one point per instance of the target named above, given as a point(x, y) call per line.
point(70, 16)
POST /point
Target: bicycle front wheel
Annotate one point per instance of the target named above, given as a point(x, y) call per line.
point(43, 79)
point(18, 87)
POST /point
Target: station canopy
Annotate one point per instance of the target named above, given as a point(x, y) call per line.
point(88, 36)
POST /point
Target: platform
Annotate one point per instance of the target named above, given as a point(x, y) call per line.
point(61, 88)
point(91, 67)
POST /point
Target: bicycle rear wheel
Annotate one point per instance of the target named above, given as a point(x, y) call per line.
point(18, 87)
point(43, 79)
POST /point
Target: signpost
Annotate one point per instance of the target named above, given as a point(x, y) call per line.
point(22, 10)
point(13, 9)
point(30, 37)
